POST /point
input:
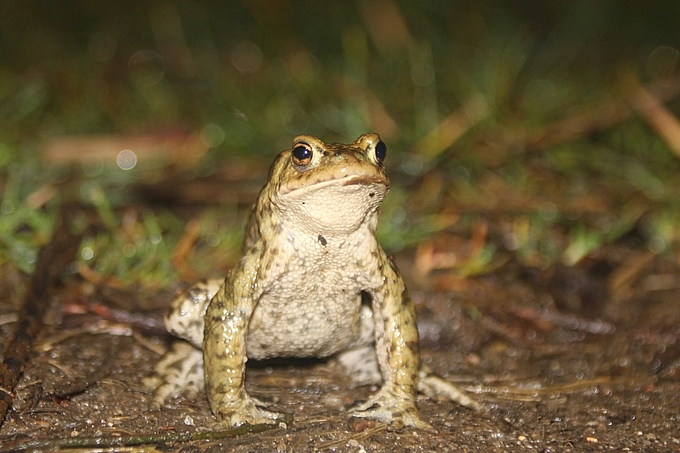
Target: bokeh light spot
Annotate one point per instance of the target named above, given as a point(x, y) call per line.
point(213, 240)
point(87, 253)
point(662, 62)
point(212, 135)
point(246, 57)
point(422, 74)
point(146, 67)
point(126, 159)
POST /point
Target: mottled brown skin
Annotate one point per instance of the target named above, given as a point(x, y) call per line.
point(309, 255)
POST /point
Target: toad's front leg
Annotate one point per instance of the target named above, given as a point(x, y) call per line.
point(224, 355)
point(397, 348)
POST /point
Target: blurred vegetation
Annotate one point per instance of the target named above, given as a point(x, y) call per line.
point(477, 101)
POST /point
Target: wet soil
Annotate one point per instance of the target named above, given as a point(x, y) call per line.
point(564, 360)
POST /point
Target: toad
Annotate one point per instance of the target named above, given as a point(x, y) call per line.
point(313, 281)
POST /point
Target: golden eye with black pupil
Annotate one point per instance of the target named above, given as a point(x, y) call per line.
point(380, 151)
point(302, 154)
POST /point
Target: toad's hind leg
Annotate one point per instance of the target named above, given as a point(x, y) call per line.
point(185, 319)
point(179, 371)
point(361, 365)
point(436, 387)
point(361, 361)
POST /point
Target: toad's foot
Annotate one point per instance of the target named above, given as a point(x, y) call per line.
point(179, 371)
point(391, 407)
point(245, 409)
point(436, 387)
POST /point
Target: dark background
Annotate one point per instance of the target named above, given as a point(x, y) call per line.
point(534, 154)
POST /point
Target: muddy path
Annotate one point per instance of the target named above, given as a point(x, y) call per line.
point(563, 360)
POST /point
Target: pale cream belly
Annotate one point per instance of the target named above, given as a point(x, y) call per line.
point(316, 328)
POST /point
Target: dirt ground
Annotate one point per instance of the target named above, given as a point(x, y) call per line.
point(572, 359)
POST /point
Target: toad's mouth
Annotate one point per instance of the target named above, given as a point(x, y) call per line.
point(365, 180)
point(349, 180)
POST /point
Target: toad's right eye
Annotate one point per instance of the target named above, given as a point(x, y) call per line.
point(302, 154)
point(380, 152)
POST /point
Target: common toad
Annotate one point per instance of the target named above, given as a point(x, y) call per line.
point(310, 257)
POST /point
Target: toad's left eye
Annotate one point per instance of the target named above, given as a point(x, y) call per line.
point(302, 154)
point(380, 151)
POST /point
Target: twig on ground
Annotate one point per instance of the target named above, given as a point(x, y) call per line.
point(356, 436)
point(52, 260)
point(511, 392)
point(132, 440)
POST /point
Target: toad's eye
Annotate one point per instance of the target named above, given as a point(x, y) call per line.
point(380, 151)
point(302, 154)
